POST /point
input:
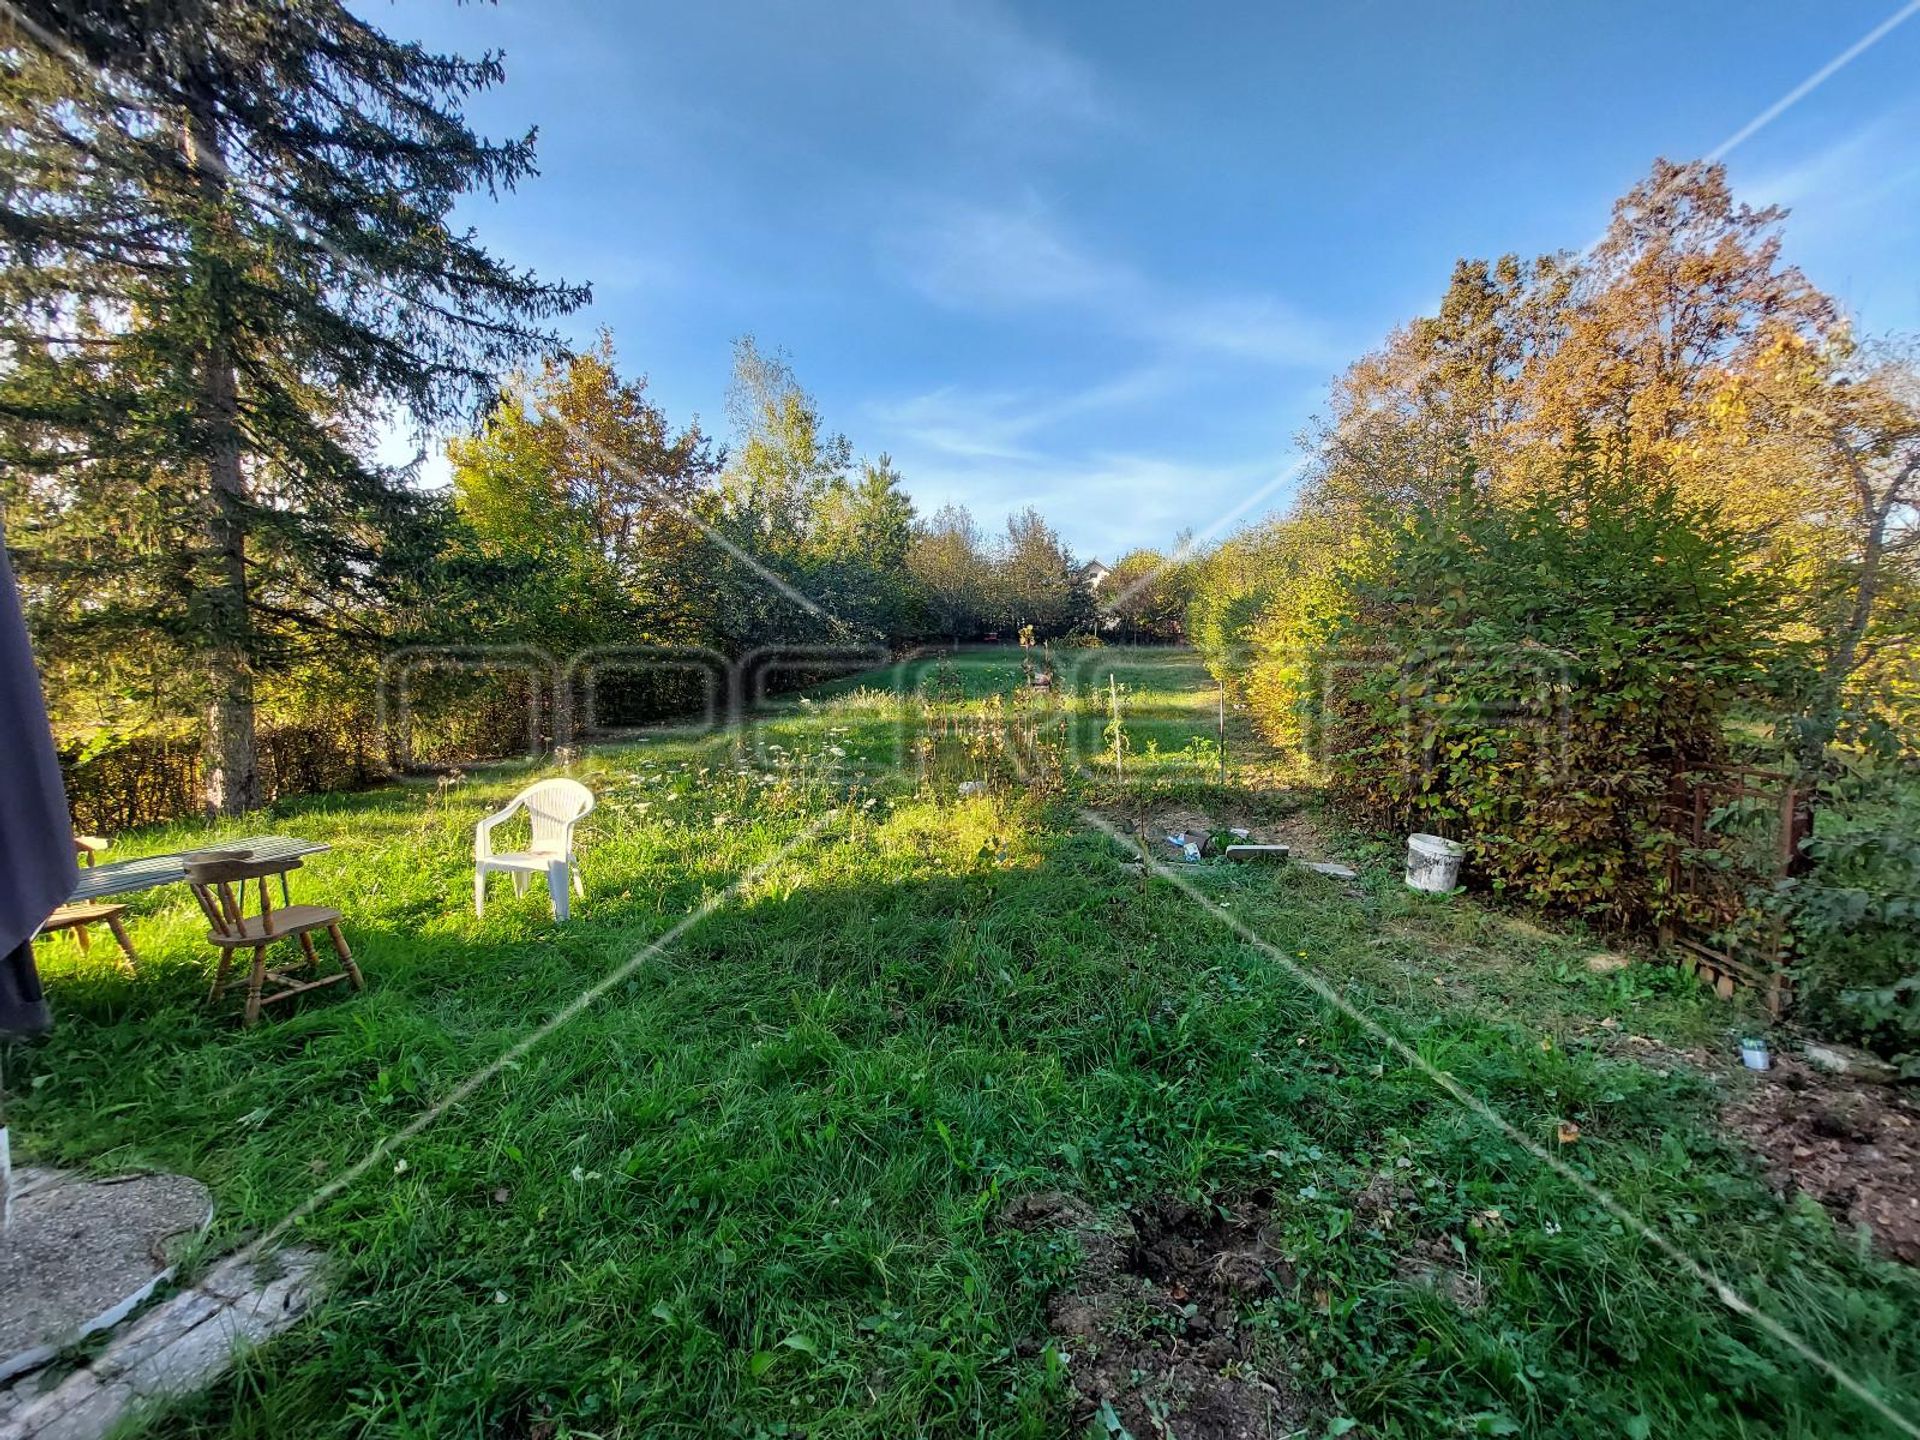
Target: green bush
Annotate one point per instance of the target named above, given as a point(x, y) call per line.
point(1856, 917)
point(1535, 680)
point(1306, 604)
point(1230, 589)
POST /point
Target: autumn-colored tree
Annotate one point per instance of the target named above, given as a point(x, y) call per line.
point(1682, 349)
point(1147, 593)
point(1444, 401)
point(1312, 557)
point(1852, 413)
point(1685, 294)
point(1634, 345)
point(1230, 586)
point(578, 464)
point(784, 461)
point(1126, 594)
point(948, 562)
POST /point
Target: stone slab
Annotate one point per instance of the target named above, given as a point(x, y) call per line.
point(82, 1253)
point(179, 1346)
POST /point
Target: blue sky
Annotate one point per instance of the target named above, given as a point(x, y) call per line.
point(1104, 257)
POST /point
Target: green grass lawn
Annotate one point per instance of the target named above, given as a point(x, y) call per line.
point(753, 1188)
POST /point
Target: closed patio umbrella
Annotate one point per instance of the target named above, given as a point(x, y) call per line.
point(37, 871)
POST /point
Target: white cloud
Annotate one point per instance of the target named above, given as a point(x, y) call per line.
point(1023, 79)
point(1869, 171)
point(976, 256)
point(1002, 424)
point(982, 79)
point(1250, 327)
point(1014, 259)
point(959, 423)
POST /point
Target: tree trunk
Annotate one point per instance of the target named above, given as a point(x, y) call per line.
point(230, 772)
point(1829, 699)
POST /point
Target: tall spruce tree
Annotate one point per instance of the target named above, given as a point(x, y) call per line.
point(224, 256)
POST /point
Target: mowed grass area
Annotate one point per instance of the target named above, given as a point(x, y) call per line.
point(752, 1189)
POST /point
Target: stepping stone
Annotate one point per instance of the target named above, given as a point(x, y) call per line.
point(1336, 872)
point(1271, 853)
point(82, 1253)
point(178, 1347)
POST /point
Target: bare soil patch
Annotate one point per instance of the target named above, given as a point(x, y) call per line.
point(1433, 1264)
point(1295, 829)
point(1854, 1147)
point(1152, 1321)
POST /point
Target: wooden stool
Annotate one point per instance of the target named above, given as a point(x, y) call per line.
point(78, 917)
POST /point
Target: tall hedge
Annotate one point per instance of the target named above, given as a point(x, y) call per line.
point(1535, 680)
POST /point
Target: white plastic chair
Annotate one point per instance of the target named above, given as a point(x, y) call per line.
point(554, 807)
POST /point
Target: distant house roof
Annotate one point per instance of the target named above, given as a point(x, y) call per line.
point(1093, 572)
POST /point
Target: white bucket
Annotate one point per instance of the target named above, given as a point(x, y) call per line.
point(1433, 864)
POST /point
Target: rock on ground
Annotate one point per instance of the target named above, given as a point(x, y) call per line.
point(1332, 870)
point(1845, 1060)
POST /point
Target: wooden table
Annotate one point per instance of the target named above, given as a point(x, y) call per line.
point(122, 877)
